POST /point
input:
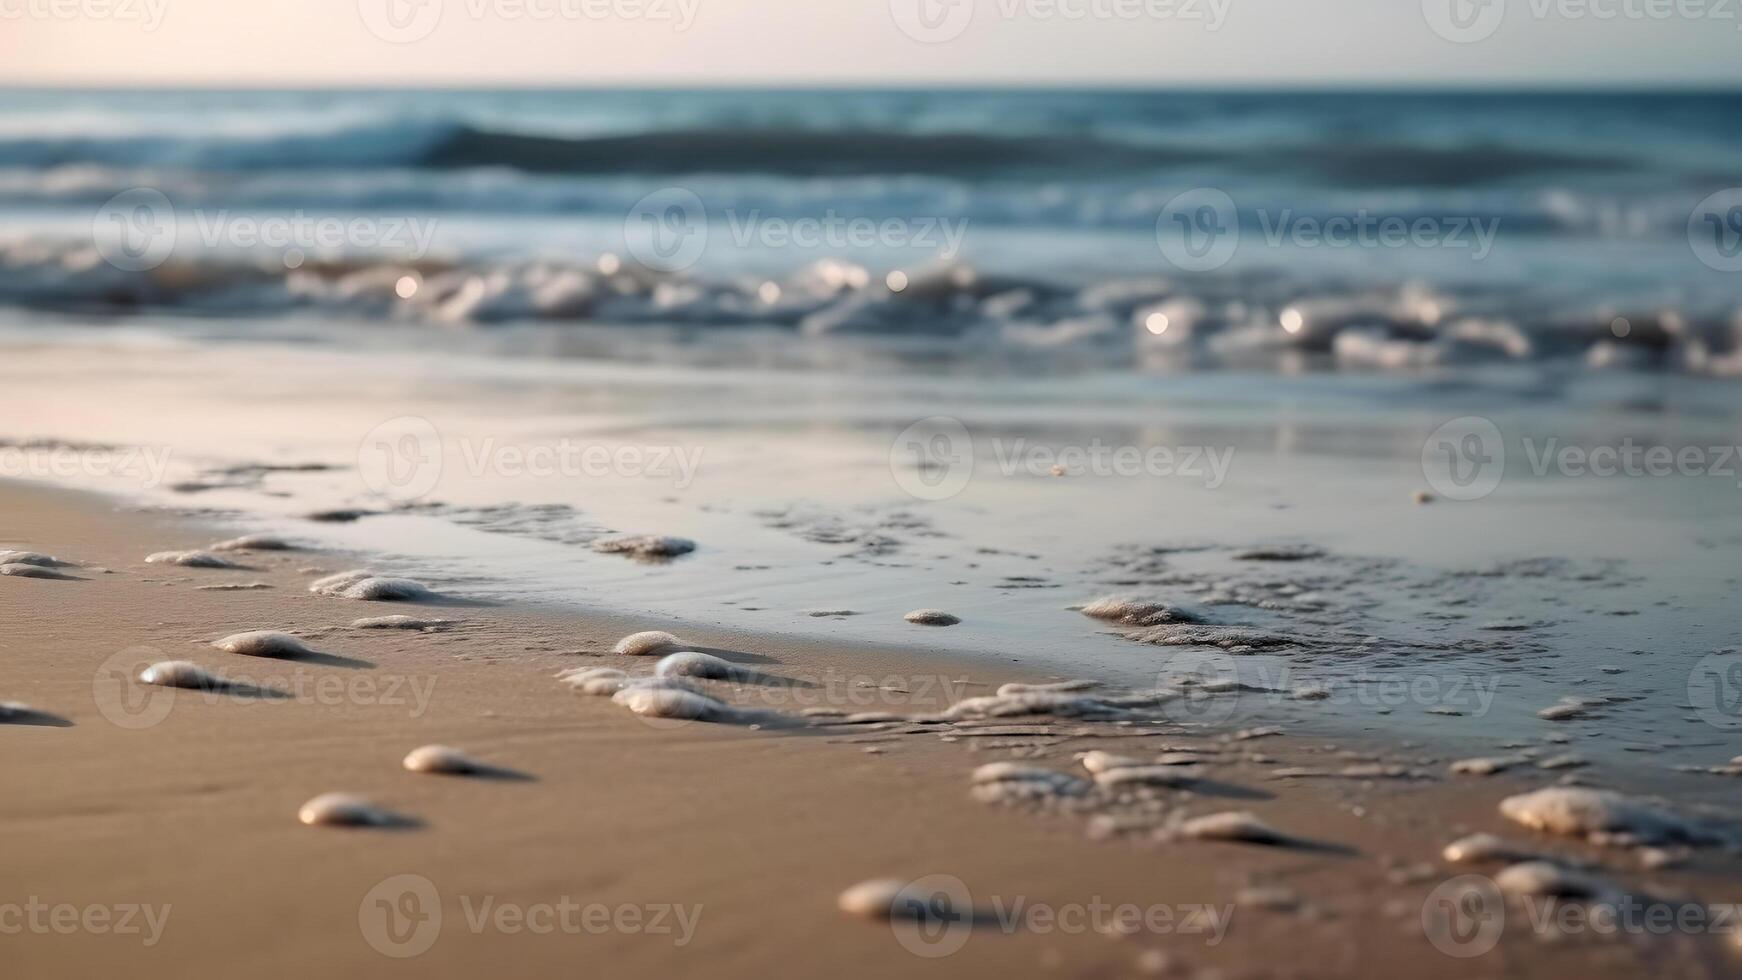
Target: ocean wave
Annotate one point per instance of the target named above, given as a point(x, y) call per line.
point(1246, 320)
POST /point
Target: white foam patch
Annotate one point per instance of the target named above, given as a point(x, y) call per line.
point(1483, 766)
point(337, 584)
point(443, 760)
point(1016, 705)
point(667, 702)
point(1599, 816)
point(1120, 776)
point(399, 622)
point(646, 546)
point(253, 542)
point(874, 899)
point(343, 810)
point(1097, 761)
point(1135, 612)
point(1232, 826)
point(32, 558)
point(20, 570)
point(1542, 878)
point(1486, 848)
point(263, 643)
point(1015, 782)
point(647, 643)
point(181, 673)
point(188, 559)
point(1058, 687)
point(931, 617)
point(688, 663)
point(387, 590)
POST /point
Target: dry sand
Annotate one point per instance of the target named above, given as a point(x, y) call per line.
point(196, 813)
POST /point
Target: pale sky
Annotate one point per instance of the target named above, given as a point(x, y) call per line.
point(1199, 43)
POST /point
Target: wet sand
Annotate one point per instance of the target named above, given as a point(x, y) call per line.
point(756, 833)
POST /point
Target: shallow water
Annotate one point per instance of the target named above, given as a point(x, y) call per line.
point(1454, 621)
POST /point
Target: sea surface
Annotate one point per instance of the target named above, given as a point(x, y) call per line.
point(1429, 396)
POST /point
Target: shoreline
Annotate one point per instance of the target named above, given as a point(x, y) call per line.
point(762, 830)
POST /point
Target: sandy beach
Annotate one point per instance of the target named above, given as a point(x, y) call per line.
point(188, 806)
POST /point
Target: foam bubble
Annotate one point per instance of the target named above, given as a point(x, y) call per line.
point(337, 584)
point(253, 542)
point(1233, 826)
point(367, 586)
point(344, 810)
point(1483, 848)
point(1097, 761)
point(399, 622)
point(1482, 767)
point(1141, 776)
point(648, 547)
point(1006, 782)
point(931, 617)
point(646, 643)
point(32, 558)
point(19, 570)
point(1548, 880)
point(874, 899)
point(444, 760)
point(264, 643)
point(182, 673)
point(1600, 816)
point(667, 702)
point(188, 559)
point(1006, 706)
point(688, 663)
point(1135, 612)
point(595, 681)
point(1058, 687)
